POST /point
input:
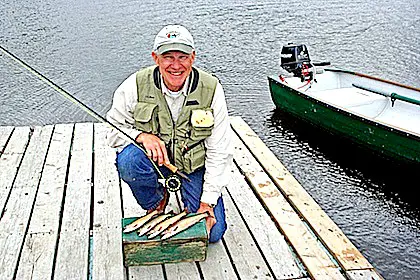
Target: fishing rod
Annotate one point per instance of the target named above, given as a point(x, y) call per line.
point(172, 183)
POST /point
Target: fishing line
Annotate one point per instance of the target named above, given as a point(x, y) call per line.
point(92, 113)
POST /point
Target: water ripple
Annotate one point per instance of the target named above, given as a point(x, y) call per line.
point(90, 47)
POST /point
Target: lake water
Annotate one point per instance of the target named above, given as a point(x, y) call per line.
point(90, 47)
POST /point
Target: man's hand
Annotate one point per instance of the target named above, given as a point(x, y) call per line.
point(155, 147)
point(210, 220)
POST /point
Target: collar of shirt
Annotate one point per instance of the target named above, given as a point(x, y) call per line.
point(175, 101)
point(173, 94)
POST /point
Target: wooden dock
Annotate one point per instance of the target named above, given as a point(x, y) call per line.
point(62, 202)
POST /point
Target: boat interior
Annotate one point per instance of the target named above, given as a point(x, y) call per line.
point(365, 97)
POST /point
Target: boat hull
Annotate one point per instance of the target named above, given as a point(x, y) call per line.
point(383, 140)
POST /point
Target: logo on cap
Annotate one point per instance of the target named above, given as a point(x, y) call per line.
point(172, 34)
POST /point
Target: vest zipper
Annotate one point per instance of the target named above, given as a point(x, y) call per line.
point(173, 140)
point(186, 148)
point(173, 134)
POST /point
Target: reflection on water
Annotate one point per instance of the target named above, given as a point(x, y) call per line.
point(392, 180)
point(89, 47)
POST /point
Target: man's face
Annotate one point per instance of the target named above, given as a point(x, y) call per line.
point(175, 67)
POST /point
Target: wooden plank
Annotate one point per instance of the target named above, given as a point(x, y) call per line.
point(149, 272)
point(130, 206)
point(73, 246)
point(330, 234)
point(244, 251)
point(10, 161)
point(217, 264)
point(38, 252)
point(314, 257)
point(367, 274)
point(275, 248)
point(14, 223)
point(184, 271)
point(5, 132)
point(107, 212)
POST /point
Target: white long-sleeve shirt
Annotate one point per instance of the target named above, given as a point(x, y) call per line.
point(219, 154)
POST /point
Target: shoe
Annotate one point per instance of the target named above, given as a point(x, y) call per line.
point(162, 204)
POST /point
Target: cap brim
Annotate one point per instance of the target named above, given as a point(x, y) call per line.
point(175, 47)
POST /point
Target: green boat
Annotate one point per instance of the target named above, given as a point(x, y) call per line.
point(381, 115)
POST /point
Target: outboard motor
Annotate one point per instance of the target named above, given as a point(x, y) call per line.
point(295, 59)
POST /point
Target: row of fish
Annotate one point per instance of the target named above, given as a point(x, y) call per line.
point(164, 224)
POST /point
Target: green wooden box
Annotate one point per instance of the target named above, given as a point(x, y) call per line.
point(187, 246)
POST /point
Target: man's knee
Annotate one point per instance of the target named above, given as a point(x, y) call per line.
point(132, 164)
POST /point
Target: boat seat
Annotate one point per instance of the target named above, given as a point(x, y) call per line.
point(360, 101)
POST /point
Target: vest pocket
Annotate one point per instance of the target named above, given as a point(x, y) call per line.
point(202, 122)
point(202, 118)
point(145, 117)
point(194, 158)
point(198, 134)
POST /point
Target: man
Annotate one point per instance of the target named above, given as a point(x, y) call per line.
point(178, 114)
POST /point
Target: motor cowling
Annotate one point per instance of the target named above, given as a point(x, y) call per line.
point(295, 59)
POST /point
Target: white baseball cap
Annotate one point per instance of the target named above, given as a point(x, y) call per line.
point(173, 38)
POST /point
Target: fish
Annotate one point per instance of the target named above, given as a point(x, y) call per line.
point(152, 223)
point(183, 224)
point(139, 222)
point(159, 228)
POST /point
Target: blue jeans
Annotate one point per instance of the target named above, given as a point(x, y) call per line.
point(135, 168)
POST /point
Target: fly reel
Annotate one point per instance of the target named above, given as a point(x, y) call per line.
point(173, 183)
